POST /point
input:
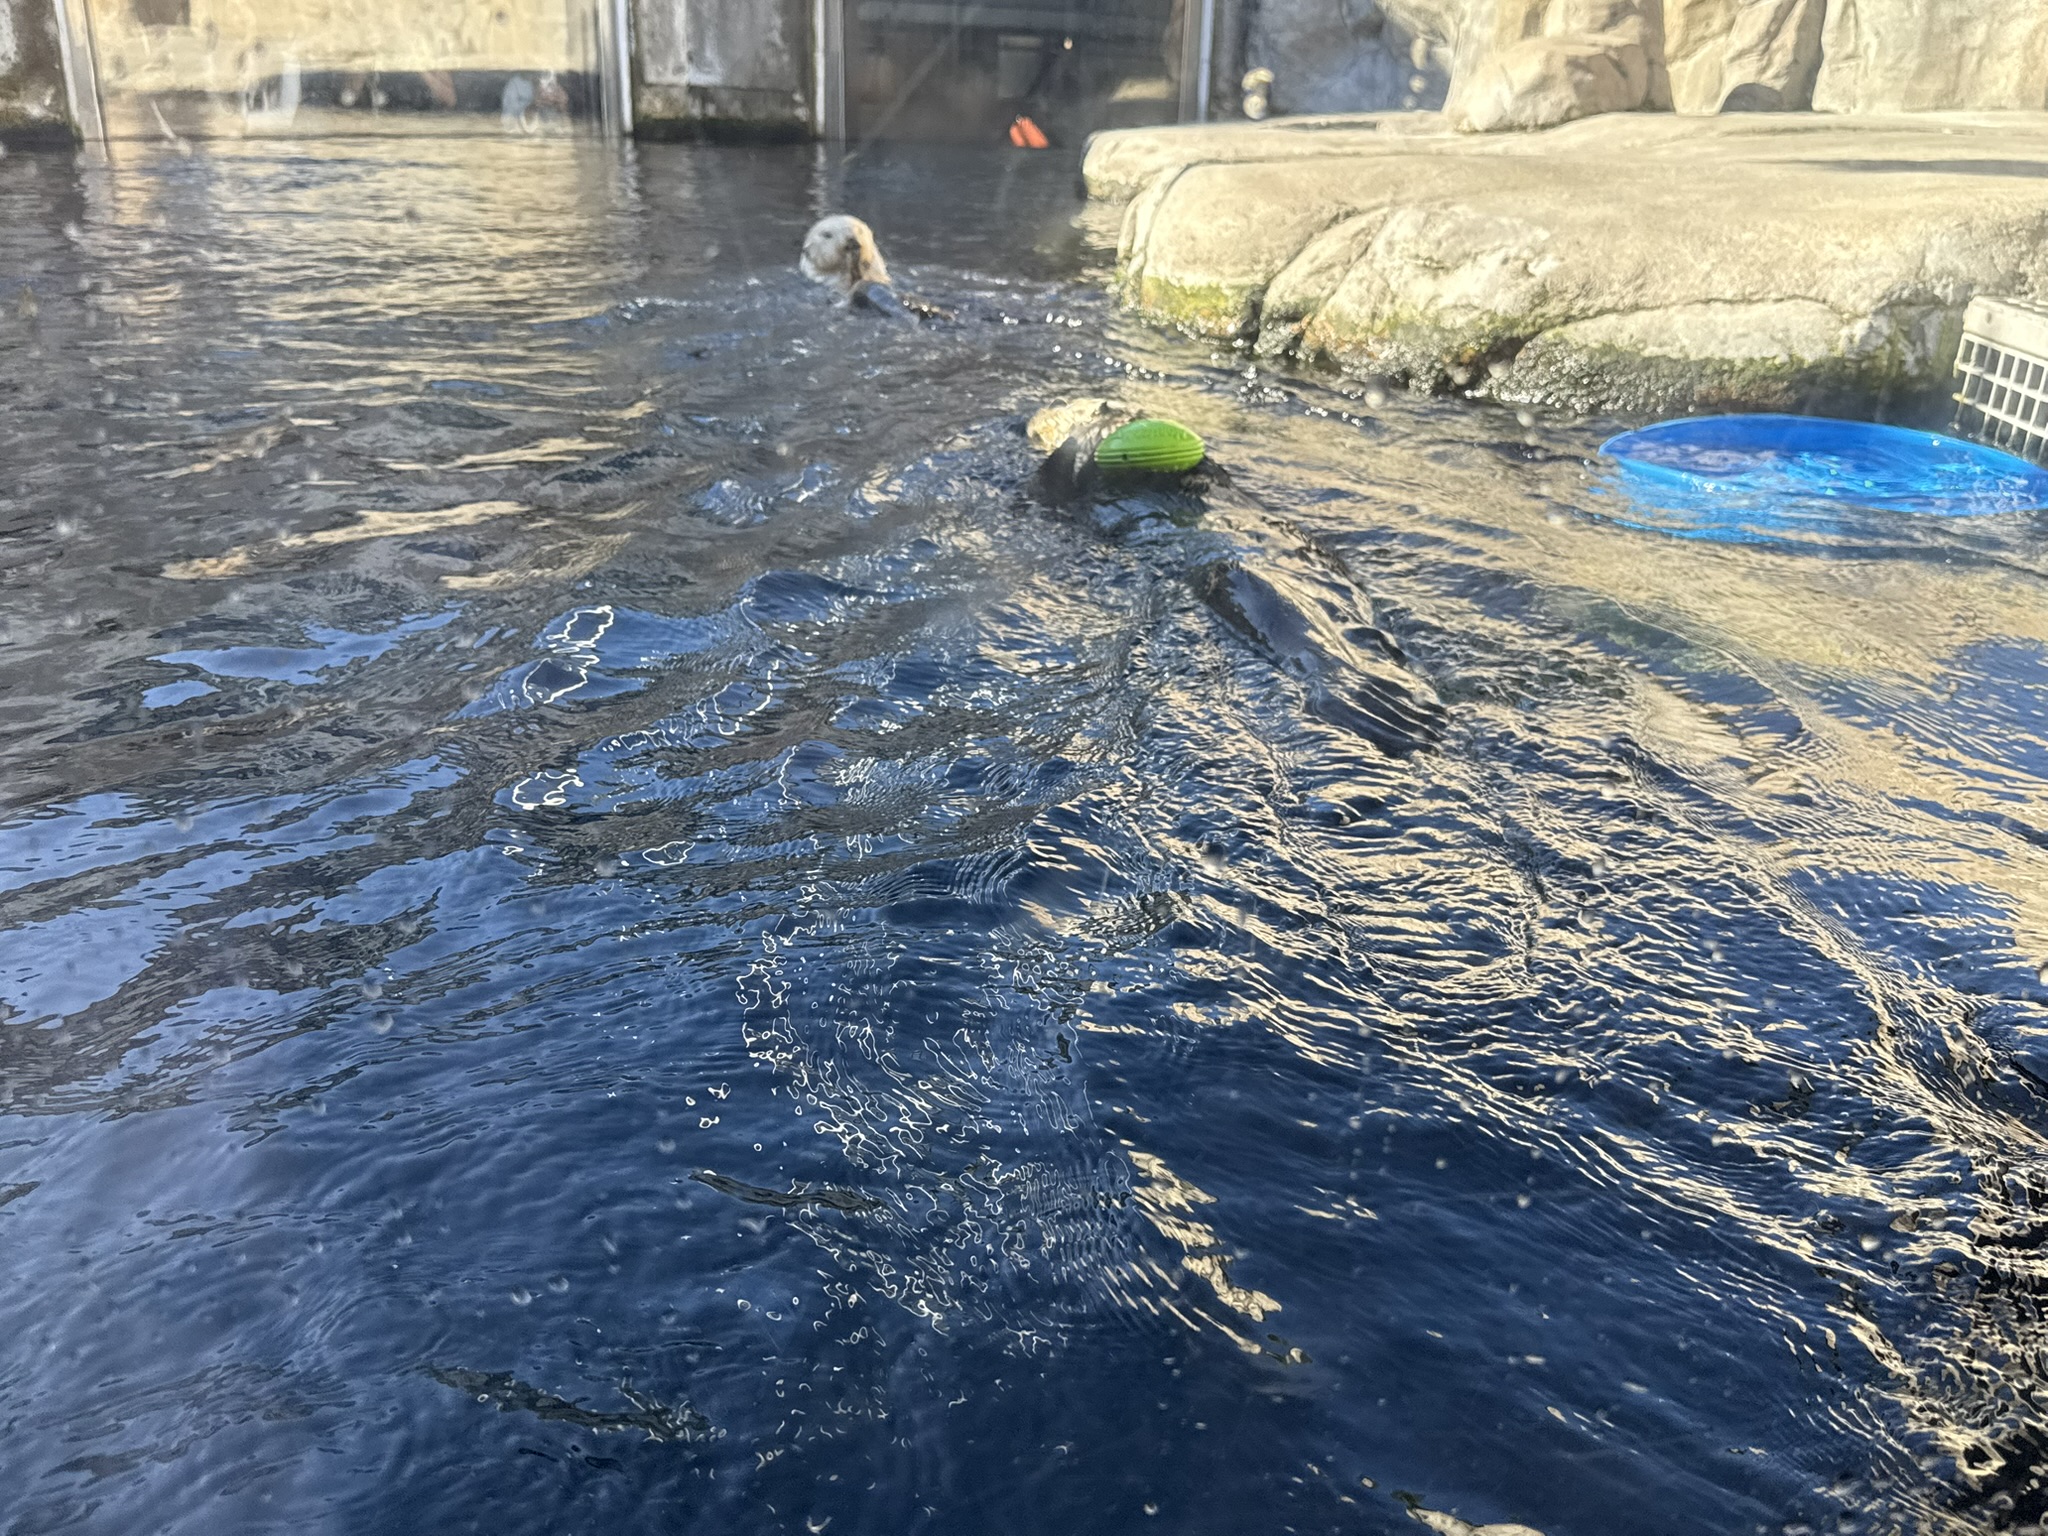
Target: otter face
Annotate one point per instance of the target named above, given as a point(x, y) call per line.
point(840, 252)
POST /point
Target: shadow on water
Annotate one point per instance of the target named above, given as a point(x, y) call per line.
point(607, 928)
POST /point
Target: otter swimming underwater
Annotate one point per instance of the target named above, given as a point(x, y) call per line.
point(1291, 597)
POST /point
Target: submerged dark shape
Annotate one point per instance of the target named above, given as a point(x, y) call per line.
point(1313, 625)
point(803, 1197)
point(1293, 599)
point(884, 300)
point(453, 414)
point(508, 1394)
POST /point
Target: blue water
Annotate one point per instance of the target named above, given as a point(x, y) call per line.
point(607, 929)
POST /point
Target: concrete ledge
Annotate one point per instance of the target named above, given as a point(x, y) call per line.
point(718, 115)
point(1638, 261)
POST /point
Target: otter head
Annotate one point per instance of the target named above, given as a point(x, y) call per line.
point(840, 252)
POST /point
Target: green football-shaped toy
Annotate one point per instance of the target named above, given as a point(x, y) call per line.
point(1161, 447)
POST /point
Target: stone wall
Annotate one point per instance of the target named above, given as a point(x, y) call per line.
point(32, 104)
point(1519, 64)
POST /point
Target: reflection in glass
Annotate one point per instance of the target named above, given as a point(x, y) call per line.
point(180, 69)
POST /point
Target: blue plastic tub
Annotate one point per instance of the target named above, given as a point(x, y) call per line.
point(1759, 477)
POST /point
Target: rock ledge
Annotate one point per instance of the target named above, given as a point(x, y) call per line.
point(1633, 261)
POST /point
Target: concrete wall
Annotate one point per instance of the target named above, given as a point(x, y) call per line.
point(32, 104)
point(723, 68)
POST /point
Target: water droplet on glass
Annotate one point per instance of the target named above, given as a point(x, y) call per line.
point(1375, 398)
point(745, 1305)
point(1151, 1508)
point(1870, 1242)
point(521, 1296)
point(381, 1024)
point(665, 1145)
point(1521, 1202)
point(558, 1284)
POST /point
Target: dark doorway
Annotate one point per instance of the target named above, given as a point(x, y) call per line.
point(964, 72)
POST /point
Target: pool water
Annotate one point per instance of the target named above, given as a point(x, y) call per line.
point(607, 928)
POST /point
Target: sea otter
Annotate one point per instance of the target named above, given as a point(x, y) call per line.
point(1287, 593)
point(840, 253)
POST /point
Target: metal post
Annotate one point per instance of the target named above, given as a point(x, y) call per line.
point(621, 64)
point(81, 71)
point(828, 69)
point(1197, 54)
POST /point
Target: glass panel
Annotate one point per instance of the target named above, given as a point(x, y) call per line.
point(228, 68)
point(948, 69)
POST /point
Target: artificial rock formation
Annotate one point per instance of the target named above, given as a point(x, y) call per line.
point(1537, 63)
point(1930, 55)
point(1754, 55)
point(1636, 261)
point(1354, 55)
point(1521, 64)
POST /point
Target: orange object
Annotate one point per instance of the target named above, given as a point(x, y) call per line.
point(1026, 134)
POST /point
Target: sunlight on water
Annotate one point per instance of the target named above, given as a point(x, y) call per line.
point(607, 927)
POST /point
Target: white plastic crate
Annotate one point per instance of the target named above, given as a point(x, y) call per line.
point(2002, 376)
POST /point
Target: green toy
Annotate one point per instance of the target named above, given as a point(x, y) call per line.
point(1157, 447)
